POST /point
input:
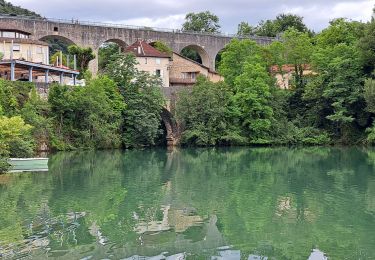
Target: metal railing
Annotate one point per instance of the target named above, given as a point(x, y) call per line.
point(134, 27)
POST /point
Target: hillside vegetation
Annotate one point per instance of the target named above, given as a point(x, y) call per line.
point(8, 8)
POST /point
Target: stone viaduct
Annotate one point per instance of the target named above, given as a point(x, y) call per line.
point(93, 35)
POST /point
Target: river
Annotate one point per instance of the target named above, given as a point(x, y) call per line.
point(217, 203)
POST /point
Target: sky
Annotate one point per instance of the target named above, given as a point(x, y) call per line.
point(171, 13)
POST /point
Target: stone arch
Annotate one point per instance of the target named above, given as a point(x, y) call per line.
point(119, 42)
point(171, 126)
point(218, 58)
point(58, 37)
point(202, 53)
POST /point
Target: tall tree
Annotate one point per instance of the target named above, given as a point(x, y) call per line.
point(281, 24)
point(234, 57)
point(245, 29)
point(201, 22)
point(106, 54)
point(205, 113)
point(297, 50)
point(367, 46)
point(252, 99)
point(144, 100)
point(84, 56)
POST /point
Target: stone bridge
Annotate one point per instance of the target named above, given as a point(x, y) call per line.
point(89, 34)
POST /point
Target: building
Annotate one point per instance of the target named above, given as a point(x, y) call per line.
point(285, 74)
point(16, 44)
point(151, 60)
point(24, 59)
point(184, 72)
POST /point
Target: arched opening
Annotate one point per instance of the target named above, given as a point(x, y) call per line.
point(171, 127)
point(218, 59)
point(56, 44)
point(197, 54)
point(107, 50)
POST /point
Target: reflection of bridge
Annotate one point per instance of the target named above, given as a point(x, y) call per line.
point(95, 34)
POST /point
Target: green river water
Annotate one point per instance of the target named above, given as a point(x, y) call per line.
point(227, 203)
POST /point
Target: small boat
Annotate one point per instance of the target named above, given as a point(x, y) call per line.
point(28, 164)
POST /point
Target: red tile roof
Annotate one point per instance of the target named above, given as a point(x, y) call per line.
point(143, 49)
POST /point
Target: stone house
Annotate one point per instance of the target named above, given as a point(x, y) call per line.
point(285, 74)
point(17, 44)
point(184, 71)
point(25, 59)
point(151, 60)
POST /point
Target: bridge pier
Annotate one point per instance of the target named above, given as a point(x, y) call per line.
point(94, 64)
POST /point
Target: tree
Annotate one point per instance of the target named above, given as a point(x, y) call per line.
point(266, 28)
point(84, 56)
point(245, 29)
point(282, 23)
point(106, 54)
point(338, 86)
point(205, 114)
point(287, 21)
point(162, 47)
point(367, 47)
point(369, 95)
point(15, 139)
point(144, 100)
point(204, 22)
point(57, 56)
point(298, 49)
point(89, 117)
point(251, 99)
point(234, 57)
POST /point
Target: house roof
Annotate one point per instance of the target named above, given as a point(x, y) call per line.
point(143, 49)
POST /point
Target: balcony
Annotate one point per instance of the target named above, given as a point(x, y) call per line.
point(186, 81)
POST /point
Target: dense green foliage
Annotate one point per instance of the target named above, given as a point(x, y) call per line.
point(162, 47)
point(122, 109)
point(272, 28)
point(106, 54)
point(205, 115)
point(328, 99)
point(204, 22)
point(8, 8)
point(84, 56)
point(144, 101)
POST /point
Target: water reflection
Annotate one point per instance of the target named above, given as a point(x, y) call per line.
point(234, 203)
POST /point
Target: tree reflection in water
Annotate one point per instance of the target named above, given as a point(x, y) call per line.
point(273, 202)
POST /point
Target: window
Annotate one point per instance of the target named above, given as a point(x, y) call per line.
point(39, 50)
point(9, 34)
point(55, 29)
point(158, 73)
point(157, 60)
point(16, 47)
point(145, 60)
